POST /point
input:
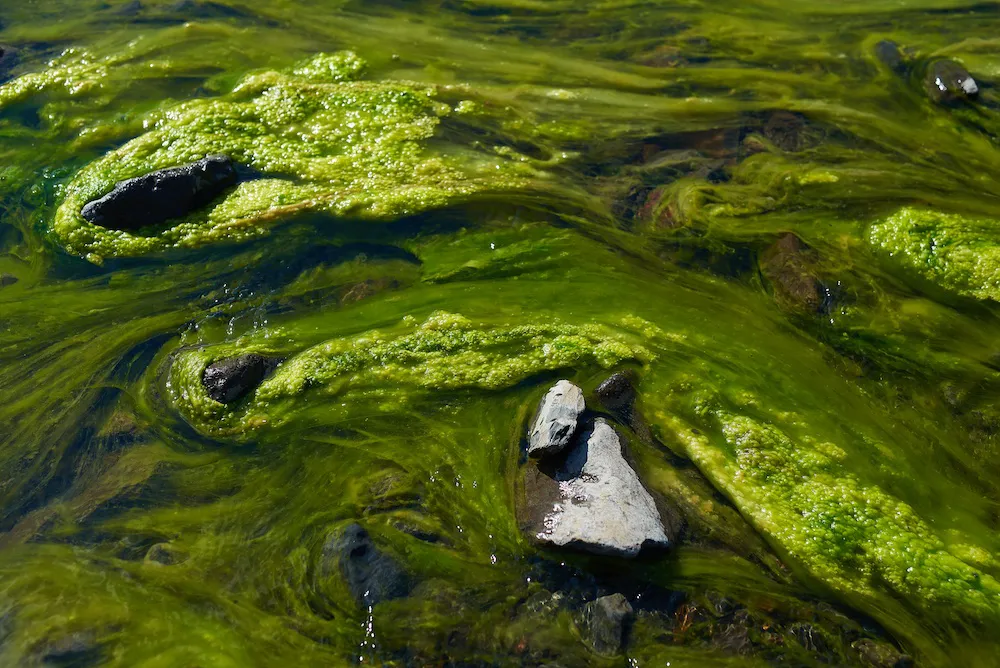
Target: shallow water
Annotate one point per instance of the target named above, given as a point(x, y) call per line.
point(793, 247)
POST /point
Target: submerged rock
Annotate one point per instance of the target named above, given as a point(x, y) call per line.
point(154, 198)
point(165, 554)
point(372, 576)
point(233, 378)
point(7, 279)
point(557, 419)
point(595, 501)
point(879, 654)
point(788, 265)
point(947, 81)
point(605, 623)
point(78, 648)
point(889, 54)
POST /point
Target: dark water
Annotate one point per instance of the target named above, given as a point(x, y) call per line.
point(781, 218)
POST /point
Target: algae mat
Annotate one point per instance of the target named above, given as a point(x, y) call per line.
point(780, 218)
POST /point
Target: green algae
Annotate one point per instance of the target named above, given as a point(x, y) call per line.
point(323, 141)
point(647, 163)
point(957, 252)
point(446, 352)
point(849, 534)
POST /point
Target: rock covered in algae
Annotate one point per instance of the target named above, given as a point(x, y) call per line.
point(445, 352)
point(957, 252)
point(851, 534)
point(322, 140)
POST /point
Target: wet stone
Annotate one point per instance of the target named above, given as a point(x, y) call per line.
point(605, 623)
point(617, 393)
point(594, 501)
point(947, 81)
point(372, 576)
point(154, 198)
point(233, 378)
point(557, 419)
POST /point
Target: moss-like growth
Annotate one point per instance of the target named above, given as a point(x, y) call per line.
point(445, 352)
point(957, 252)
point(801, 492)
point(321, 140)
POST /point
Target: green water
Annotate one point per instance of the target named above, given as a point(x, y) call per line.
point(793, 247)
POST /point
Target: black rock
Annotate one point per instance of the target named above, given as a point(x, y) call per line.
point(617, 393)
point(947, 81)
point(233, 378)
point(605, 623)
point(372, 576)
point(159, 196)
point(7, 279)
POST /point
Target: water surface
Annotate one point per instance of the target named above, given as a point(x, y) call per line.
point(758, 208)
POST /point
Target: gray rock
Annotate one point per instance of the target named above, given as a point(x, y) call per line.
point(595, 502)
point(154, 198)
point(372, 575)
point(947, 81)
point(233, 378)
point(605, 622)
point(557, 419)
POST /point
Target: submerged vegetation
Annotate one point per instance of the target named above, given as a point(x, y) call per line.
point(776, 223)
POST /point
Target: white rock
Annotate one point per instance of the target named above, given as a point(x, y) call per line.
point(602, 506)
point(557, 419)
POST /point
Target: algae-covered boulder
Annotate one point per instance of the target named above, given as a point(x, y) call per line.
point(446, 352)
point(313, 139)
point(801, 492)
point(957, 252)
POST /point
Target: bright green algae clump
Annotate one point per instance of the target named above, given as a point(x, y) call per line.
point(323, 142)
point(959, 253)
point(799, 490)
point(445, 352)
